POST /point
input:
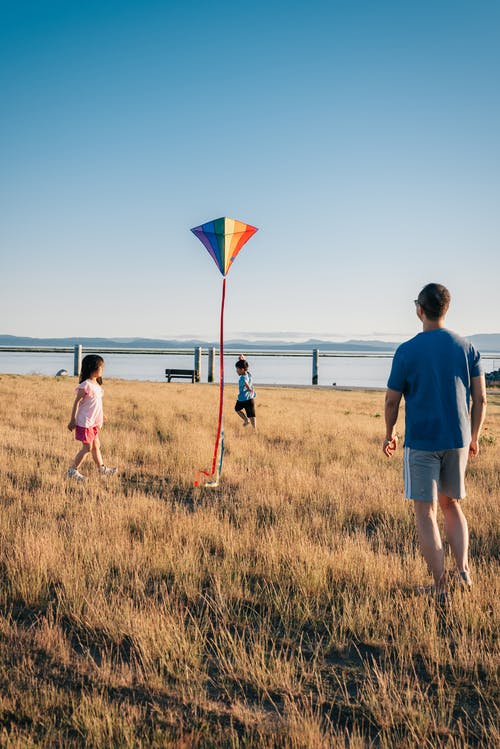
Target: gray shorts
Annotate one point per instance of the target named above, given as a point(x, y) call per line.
point(428, 473)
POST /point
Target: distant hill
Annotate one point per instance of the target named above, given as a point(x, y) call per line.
point(488, 343)
point(244, 345)
point(12, 340)
point(366, 346)
point(485, 342)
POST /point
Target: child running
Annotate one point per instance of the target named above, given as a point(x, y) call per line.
point(87, 417)
point(246, 394)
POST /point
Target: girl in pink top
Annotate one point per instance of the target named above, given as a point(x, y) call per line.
point(87, 416)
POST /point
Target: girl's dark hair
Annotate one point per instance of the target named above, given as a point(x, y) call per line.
point(242, 364)
point(91, 364)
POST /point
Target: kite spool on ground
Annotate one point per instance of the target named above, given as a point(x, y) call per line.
point(223, 238)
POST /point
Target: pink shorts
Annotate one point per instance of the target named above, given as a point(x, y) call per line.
point(86, 434)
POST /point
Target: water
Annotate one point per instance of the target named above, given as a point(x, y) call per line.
point(279, 370)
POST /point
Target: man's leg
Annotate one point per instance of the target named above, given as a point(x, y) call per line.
point(430, 541)
point(457, 531)
point(451, 489)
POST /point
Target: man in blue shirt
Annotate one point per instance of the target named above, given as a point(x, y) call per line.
point(439, 373)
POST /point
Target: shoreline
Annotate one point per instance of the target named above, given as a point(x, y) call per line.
point(263, 385)
point(492, 390)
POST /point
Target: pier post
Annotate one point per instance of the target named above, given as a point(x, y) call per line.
point(197, 363)
point(315, 366)
point(211, 360)
point(77, 360)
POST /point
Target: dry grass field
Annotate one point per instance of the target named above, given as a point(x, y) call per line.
point(278, 610)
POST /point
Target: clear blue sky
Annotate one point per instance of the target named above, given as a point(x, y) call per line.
point(362, 138)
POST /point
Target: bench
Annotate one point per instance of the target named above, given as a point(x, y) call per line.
point(183, 374)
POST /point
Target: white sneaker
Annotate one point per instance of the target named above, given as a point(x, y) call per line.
point(106, 471)
point(73, 473)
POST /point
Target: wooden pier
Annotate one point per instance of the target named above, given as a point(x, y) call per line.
point(198, 352)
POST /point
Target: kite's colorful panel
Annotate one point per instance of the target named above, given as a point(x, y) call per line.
point(224, 238)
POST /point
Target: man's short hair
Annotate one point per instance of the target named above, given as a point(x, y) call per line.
point(434, 300)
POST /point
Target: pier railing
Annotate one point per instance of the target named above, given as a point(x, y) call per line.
point(211, 352)
point(198, 353)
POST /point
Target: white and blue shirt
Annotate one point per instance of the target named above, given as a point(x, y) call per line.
point(243, 393)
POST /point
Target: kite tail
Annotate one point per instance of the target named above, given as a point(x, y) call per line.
point(219, 440)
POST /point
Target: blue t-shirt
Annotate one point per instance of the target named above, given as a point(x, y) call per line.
point(243, 393)
point(433, 370)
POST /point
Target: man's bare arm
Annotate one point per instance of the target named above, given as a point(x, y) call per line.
point(392, 401)
point(477, 412)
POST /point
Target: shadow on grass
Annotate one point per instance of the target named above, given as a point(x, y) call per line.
point(165, 715)
point(159, 487)
point(170, 490)
point(166, 712)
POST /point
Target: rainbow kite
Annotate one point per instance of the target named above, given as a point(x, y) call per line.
point(223, 238)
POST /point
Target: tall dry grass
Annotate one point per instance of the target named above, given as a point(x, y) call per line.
point(278, 610)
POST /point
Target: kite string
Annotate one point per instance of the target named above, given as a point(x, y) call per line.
point(221, 379)
point(220, 428)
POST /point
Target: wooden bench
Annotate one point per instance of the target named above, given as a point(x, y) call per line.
point(183, 374)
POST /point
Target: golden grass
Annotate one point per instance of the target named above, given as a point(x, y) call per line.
point(278, 610)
